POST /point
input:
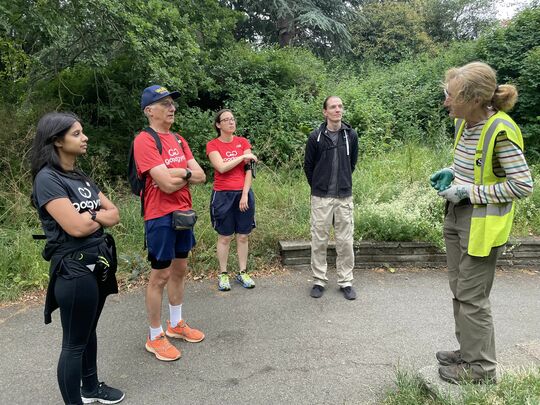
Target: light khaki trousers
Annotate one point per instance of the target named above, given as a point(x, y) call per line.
point(324, 213)
point(471, 279)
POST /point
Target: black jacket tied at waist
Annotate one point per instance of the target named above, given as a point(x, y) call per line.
point(60, 255)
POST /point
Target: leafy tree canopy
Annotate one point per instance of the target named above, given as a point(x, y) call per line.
point(318, 24)
point(447, 20)
point(389, 31)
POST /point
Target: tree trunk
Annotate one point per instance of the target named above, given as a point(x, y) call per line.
point(286, 31)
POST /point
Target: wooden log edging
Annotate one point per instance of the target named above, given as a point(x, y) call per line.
point(524, 252)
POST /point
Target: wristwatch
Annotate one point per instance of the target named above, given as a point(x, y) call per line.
point(188, 174)
point(93, 214)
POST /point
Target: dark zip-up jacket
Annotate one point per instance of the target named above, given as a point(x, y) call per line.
point(320, 154)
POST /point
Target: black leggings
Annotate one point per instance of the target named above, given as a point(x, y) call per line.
point(80, 307)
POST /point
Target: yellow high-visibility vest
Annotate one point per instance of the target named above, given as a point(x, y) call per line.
point(490, 223)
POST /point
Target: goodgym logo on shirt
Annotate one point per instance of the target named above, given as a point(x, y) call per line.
point(86, 193)
point(88, 203)
point(231, 154)
point(174, 156)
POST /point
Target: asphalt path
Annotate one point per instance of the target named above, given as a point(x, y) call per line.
point(270, 345)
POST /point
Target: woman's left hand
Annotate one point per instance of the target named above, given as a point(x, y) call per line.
point(244, 203)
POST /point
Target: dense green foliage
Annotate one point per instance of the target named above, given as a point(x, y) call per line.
point(388, 32)
point(320, 24)
point(515, 51)
point(94, 58)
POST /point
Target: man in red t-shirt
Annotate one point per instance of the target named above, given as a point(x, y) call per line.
point(168, 176)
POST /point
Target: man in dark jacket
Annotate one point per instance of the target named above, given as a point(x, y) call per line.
point(330, 159)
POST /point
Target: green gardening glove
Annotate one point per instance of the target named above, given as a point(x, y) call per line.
point(442, 179)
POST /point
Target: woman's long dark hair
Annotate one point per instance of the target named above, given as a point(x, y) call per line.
point(51, 127)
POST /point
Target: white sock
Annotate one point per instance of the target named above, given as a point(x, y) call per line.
point(175, 314)
point(155, 332)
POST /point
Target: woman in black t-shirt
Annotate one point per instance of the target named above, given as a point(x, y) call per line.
point(73, 212)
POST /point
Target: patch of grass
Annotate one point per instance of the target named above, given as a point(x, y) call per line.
point(520, 387)
point(21, 265)
point(410, 391)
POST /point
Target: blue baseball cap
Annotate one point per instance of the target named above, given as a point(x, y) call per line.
point(155, 93)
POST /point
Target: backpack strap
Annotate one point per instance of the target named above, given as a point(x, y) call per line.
point(159, 147)
point(156, 138)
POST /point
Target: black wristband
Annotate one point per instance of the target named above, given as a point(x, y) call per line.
point(93, 214)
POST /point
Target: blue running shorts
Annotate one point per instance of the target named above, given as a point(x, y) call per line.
point(164, 243)
point(227, 219)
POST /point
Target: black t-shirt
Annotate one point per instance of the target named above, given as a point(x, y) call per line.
point(51, 184)
point(333, 184)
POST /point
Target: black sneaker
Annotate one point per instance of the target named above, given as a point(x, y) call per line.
point(104, 394)
point(348, 292)
point(317, 291)
point(448, 358)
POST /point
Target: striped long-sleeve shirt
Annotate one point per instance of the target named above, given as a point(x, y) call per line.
point(508, 161)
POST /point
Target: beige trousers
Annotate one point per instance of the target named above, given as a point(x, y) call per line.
point(471, 279)
point(324, 213)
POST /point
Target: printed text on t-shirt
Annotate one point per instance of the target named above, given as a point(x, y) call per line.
point(173, 153)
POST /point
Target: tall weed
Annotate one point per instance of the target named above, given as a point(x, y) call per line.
point(393, 201)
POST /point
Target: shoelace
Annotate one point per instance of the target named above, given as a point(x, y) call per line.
point(163, 342)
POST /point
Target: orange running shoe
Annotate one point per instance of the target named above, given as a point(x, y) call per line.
point(162, 348)
point(183, 331)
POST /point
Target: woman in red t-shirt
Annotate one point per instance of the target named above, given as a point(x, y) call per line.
point(232, 206)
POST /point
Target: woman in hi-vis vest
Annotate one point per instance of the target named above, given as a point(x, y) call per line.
point(488, 173)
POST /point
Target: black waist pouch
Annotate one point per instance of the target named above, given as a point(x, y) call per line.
point(183, 220)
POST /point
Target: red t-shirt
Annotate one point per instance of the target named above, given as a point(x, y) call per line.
point(156, 202)
point(234, 178)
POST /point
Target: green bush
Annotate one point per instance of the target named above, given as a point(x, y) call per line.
point(393, 198)
point(401, 103)
point(514, 52)
point(275, 95)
